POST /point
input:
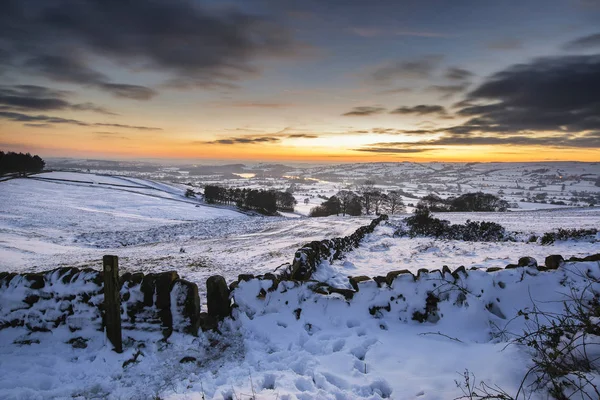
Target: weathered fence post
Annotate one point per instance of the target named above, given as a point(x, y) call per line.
point(112, 301)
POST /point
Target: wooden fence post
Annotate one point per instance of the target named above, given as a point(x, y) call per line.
point(112, 301)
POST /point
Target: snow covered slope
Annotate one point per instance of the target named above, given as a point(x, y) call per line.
point(50, 212)
point(47, 222)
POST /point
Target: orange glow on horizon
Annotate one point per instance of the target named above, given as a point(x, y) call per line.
point(71, 142)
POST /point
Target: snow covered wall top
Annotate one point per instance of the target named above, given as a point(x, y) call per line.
point(419, 297)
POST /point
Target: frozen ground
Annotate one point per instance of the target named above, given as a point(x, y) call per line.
point(72, 219)
point(295, 344)
point(48, 223)
point(333, 350)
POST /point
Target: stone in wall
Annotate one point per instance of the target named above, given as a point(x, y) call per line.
point(217, 297)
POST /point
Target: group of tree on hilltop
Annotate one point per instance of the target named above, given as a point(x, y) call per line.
point(263, 201)
point(366, 200)
point(469, 202)
point(19, 162)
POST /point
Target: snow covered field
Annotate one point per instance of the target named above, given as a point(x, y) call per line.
point(47, 223)
point(331, 349)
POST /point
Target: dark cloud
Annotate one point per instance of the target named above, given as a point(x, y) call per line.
point(556, 94)
point(376, 32)
point(33, 91)
point(396, 91)
point(38, 125)
point(69, 69)
point(245, 140)
point(302, 136)
point(421, 68)
point(550, 102)
point(38, 98)
point(273, 138)
point(391, 150)
point(587, 140)
point(583, 43)
point(186, 41)
point(64, 68)
point(387, 131)
point(421, 109)
point(447, 91)
point(134, 92)
point(110, 136)
point(458, 74)
point(364, 111)
point(382, 131)
point(506, 44)
point(252, 104)
point(18, 117)
point(414, 131)
point(124, 126)
point(91, 107)
point(558, 141)
point(45, 119)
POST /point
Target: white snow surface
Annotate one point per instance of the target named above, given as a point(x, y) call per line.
point(381, 252)
point(296, 344)
point(45, 224)
point(331, 349)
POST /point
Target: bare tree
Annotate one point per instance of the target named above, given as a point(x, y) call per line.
point(366, 190)
point(394, 203)
point(346, 198)
point(379, 201)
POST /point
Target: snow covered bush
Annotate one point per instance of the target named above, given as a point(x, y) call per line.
point(422, 223)
point(566, 346)
point(566, 234)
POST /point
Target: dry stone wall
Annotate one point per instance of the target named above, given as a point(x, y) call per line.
point(75, 298)
point(308, 258)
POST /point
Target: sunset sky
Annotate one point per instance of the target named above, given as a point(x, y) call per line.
point(302, 80)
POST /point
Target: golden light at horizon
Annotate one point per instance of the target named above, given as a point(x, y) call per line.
point(331, 148)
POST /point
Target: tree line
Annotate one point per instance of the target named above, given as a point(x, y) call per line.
point(469, 202)
point(264, 201)
point(367, 199)
point(19, 162)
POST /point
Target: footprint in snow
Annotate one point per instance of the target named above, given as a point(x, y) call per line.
point(352, 323)
point(339, 345)
point(361, 351)
point(304, 384)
